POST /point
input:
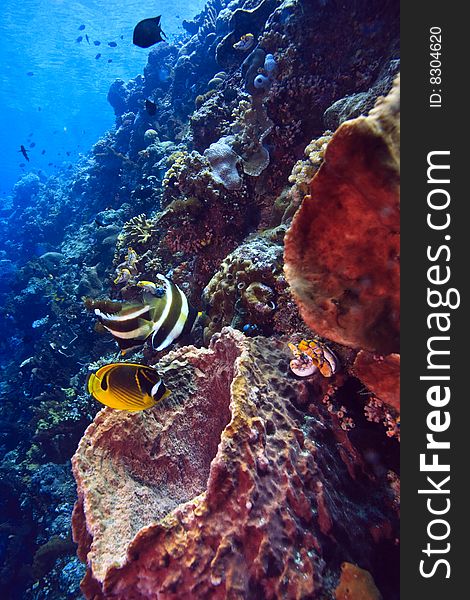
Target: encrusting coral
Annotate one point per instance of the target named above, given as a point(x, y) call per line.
point(223, 161)
point(241, 485)
point(243, 289)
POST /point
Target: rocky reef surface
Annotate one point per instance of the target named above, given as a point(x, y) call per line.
point(263, 189)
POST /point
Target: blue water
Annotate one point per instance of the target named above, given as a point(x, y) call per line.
point(53, 89)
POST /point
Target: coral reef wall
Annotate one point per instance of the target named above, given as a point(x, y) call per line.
point(204, 191)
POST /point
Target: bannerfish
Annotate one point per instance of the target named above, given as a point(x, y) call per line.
point(24, 152)
point(245, 42)
point(127, 386)
point(97, 43)
point(79, 39)
point(97, 56)
point(112, 44)
point(164, 318)
point(81, 28)
point(148, 32)
point(150, 107)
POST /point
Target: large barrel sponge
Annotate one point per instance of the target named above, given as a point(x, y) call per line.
point(241, 485)
point(342, 249)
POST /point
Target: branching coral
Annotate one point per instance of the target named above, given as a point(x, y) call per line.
point(137, 232)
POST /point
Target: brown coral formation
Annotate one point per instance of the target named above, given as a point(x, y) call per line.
point(342, 250)
point(242, 486)
point(243, 290)
point(381, 375)
point(356, 584)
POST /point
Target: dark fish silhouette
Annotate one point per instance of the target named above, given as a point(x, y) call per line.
point(122, 37)
point(112, 44)
point(110, 60)
point(97, 42)
point(87, 38)
point(148, 32)
point(29, 73)
point(43, 152)
point(32, 144)
point(150, 107)
point(79, 39)
point(22, 165)
point(81, 28)
point(49, 164)
point(67, 153)
point(24, 152)
point(39, 108)
point(97, 56)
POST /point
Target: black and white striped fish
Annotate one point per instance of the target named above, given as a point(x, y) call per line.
point(165, 319)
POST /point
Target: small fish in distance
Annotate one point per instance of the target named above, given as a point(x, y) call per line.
point(112, 44)
point(24, 152)
point(81, 28)
point(87, 38)
point(79, 39)
point(148, 32)
point(98, 56)
point(97, 42)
